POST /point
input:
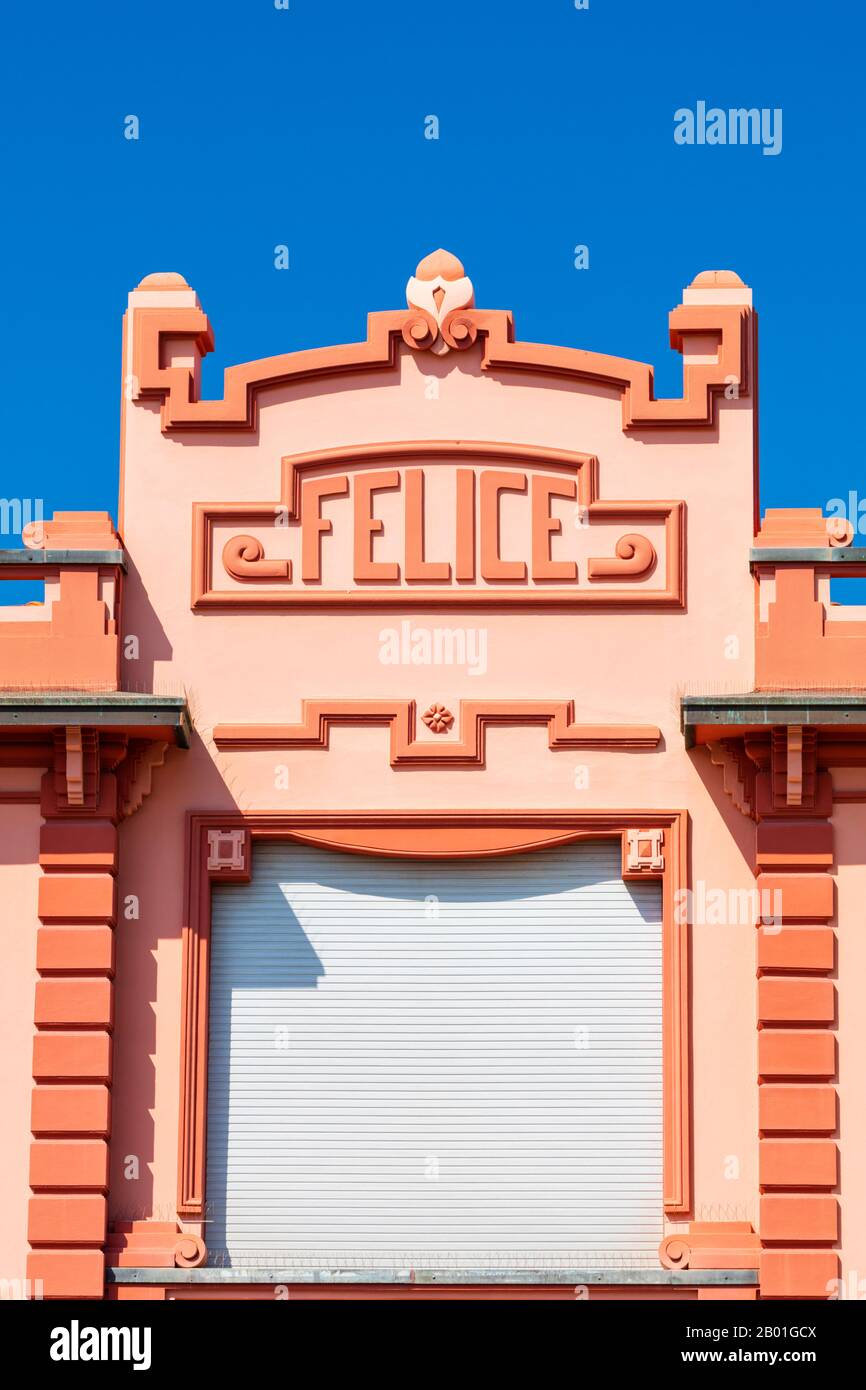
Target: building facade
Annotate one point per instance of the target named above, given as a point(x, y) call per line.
point(433, 816)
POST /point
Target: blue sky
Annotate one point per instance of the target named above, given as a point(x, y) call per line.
point(261, 126)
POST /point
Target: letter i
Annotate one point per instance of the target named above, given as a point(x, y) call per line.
point(465, 566)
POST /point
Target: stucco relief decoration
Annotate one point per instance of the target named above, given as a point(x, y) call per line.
point(74, 768)
point(359, 525)
point(439, 290)
point(794, 767)
point(645, 851)
point(137, 774)
point(225, 849)
point(190, 1251)
point(244, 558)
point(634, 557)
point(154, 1245)
point(738, 773)
point(76, 778)
point(438, 719)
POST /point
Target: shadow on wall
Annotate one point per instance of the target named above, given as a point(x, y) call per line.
point(147, 979)
point(19, 843)
point(282, 959)
point(144, 640)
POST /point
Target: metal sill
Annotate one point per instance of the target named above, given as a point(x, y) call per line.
point(766, 708)
point(808, 555)
point(611, 1278)
point(50, 559)
point(110, 709)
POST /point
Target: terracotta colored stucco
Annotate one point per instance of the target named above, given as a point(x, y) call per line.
point(273, 546)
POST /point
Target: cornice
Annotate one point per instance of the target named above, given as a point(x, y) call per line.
point(448, 324)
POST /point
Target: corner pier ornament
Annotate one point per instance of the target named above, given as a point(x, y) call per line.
point(439, 291)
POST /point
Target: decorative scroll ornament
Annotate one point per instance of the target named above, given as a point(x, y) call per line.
point(190, 1252)
point(439, 290)
point(244, 558)
point(154, 1245)
point(712, 1245)
point(634, 557)
point(840, 532)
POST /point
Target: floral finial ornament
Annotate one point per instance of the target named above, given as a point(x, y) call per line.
point(439, 291)
point(439, 286)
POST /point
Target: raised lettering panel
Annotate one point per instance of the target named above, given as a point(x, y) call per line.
point(404, 525)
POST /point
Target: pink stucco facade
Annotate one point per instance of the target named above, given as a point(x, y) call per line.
point(597, 563)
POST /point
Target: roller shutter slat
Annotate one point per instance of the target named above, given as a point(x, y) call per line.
point(397, 1082)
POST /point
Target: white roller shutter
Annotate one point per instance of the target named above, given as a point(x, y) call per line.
point(432, 1065)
